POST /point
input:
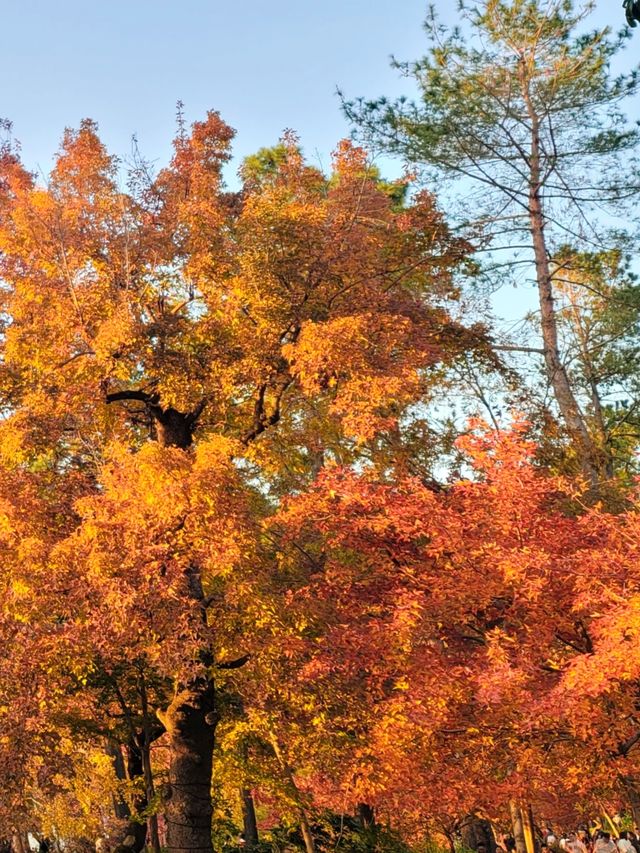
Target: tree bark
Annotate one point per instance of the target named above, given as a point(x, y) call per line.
point(114, 751)
point(135, 832)
point(594, 391)
point(527, 825)
point(191, 718)
point(190, 723)
point(172, 427)
point(17, 843)
point(366, 816)
point(632, 791)
point(518, 828)
point(556, 371)
point(148, 736)
point(249, 820)
point(476, 831)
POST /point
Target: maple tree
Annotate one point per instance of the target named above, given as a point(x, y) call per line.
point(153, 340)
point(237, 580)
point(445, 633)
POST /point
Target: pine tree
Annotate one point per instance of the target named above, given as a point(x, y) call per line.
point(520, 106)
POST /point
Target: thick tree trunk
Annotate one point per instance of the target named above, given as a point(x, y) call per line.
point(190, 719)
point(172, 428)
point(190, 723)
point(249, 820)
point(476, 831)
point(517, 827)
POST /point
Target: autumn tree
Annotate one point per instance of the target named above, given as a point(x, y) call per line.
point(440, 637)
point(501, 109)
point(189, 355)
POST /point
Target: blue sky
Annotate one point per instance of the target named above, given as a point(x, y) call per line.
point(266, 65)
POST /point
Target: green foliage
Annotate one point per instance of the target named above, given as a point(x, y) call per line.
point(501, 111)
point(599, 306)
point(258, 168)
point(337, 832)
point(511, 69)
point(332, 833)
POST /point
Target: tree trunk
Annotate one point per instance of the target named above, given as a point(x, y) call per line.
point(584, 344)
point(527, 825)
point(190, 723)
point(556, 371)
point(633, 795)
point(114, 751)
point(249, 820)
point(305, 827)
point(309, 843)
point(145, 749)
point(190, 719)
point(451, 844)
point(476, 831)
point(366, 816)
point(518, 828)
point(135, 832)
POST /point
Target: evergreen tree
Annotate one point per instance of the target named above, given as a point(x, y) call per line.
point(520, 106)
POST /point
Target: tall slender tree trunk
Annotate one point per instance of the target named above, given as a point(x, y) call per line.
point(556, 371)
point(249, 820)
point(600, 427)
point(147, 770)
point(529, 830)
point(517, 827)
point(305, 826)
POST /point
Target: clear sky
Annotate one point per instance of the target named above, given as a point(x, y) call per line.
point(266, 65)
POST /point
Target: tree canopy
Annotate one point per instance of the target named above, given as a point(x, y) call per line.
point(293, 540)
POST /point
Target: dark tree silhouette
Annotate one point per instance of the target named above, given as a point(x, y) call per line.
point(632, 11)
